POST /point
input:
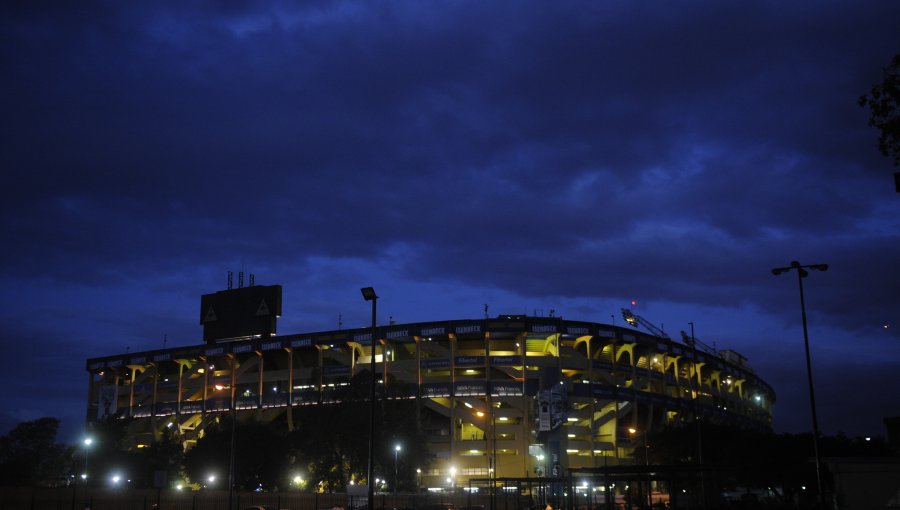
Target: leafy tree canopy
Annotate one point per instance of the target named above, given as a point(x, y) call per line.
point(884, 105)
point(30, 455)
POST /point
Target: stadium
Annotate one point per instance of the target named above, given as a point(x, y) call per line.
point(507, 396)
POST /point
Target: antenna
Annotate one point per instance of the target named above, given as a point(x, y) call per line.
point(165, 339)
point(241, 280)
point(485, 311)
point(230, 279)
point(340, 321)
point(252, 279)
point(552, 313)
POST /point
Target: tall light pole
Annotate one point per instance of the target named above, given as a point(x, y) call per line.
point(369, 295)
point(396, 464)
point(87, 444)
point(633, 431)
point(646, 447)
point(801, 274)
point(697, 414)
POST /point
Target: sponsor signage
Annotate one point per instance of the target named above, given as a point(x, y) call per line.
point(506, 389)
point(275, 400)
point(303, 342)
point(505, 361)
point(435, 363)
point(271, 346)
point(606, 334)
point(462, 330)
point(470, 388)
point(577, 330)
point(218, 404)
point(137, 361)
point(114, 363)
point(431, 390)
point(217, 351)
point(469, 361)
point(403, 333)
point(434, 331)
point(250, 402)
point(162, 357)
point(306, 397)
point(363, 338)
point(164, 408)
point(242, 348)
point(628, 338)
point(543, 328)
point(192, 407)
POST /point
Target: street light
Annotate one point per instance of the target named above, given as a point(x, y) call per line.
point(88, 441)
point(369, 295)
point(633, 431)
point(397, 449)
point(801, 274)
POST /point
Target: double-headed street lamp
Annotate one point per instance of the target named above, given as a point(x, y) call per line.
point(801, 274)
point(369, 295)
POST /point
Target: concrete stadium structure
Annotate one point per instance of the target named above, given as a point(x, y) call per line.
point(515, 396)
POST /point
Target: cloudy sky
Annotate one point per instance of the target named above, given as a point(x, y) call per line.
point(532, 156)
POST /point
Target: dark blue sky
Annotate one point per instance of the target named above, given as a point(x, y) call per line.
point(528, 155)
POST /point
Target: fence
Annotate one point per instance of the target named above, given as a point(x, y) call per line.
point(79, 498)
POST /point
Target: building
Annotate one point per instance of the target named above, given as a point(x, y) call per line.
point(527, 396)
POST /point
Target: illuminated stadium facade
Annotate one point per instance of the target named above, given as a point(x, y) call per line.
point(529, 396)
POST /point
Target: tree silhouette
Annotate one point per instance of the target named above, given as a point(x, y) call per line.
point(260, 457)
point(30, 455)
point(884, 106)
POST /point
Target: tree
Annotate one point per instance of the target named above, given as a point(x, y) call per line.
point(165, 455)
point(260, 456)
point(884, 106)
point(30, 455)
point(331, 441)
point(109, 455)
